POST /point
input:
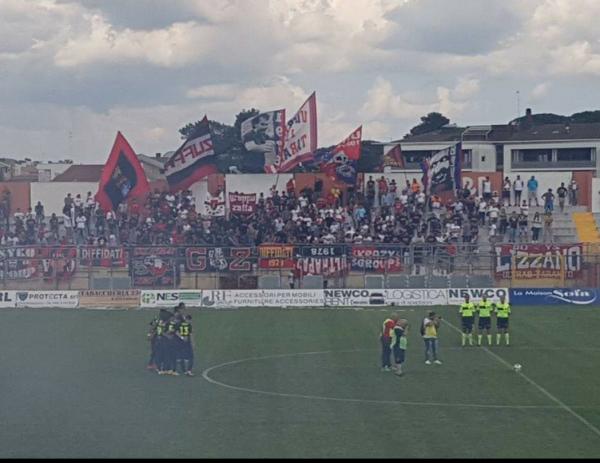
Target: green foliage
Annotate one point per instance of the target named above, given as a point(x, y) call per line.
point(429, 123)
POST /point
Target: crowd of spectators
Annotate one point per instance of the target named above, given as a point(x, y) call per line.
point(384, 212)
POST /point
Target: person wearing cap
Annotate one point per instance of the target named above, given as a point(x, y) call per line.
point(386, 336)
point(429, 331)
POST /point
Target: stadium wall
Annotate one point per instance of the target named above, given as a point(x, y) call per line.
point(52, 194)
point(20, 195)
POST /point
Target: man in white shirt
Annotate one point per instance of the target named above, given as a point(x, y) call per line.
point(487, 189)
point(518, 185)
point(80, 222)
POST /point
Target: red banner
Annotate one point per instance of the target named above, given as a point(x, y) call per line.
point(532, 261)
point(242, 203)
point(276, 256)
point(49, 263)
point(97, 256)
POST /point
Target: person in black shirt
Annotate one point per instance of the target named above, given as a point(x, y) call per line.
point(562, 195)
point(185, 351)
point(513, 223)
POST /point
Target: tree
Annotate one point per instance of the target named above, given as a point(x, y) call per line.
point(542, 118)
point(429, 123)
point(585, 117)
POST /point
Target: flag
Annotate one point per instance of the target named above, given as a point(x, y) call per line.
point(193, 161)
point(122, 178)
point(341, 162)
point(393, 158)
point(265, 133)
point(442, 171)
point(300, 136)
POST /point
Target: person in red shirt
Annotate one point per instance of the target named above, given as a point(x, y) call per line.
point(386, 336)
point(382, 186)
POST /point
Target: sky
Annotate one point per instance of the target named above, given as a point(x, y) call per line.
point(73, 73)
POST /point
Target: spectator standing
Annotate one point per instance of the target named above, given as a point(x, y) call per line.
point(573, 191)
point(532, 187)
point(548, 198)
point(536, 227)
point(518, 187)
point(39, 213)
point(548, 219)
point(487, 189)
point(523, 232)
point(382, 189)
point(370, 192)
point(506, 187)
point(503, 219)
point(429, 331)
point(513, 223)
point(561, 192)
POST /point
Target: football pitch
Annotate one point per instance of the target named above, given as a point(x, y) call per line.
point(297, 383)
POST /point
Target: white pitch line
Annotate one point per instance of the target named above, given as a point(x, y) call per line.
point(568, 409)
point(205, 375)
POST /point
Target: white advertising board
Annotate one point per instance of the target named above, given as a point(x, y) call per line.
point(47, 299)
point(8, 299)
point(170, 298)
point(416, 297)
point(456, 296)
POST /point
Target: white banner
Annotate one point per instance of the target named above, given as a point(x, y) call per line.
point(293, 298)
point(300, 137)
point(47, 299)
point(416, 297)
point(350, 297)
point(8, 299)
point(456, 296)
point(168, 298)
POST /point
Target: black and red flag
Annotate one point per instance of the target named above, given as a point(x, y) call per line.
point(122, 178)
point(193, 161)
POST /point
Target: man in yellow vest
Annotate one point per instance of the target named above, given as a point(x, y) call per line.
point(467, 314)
point(502, 311)
point(429, 331)
point(484, 310)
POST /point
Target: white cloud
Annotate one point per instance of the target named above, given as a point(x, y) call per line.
point(383, 102)
point(540, 91)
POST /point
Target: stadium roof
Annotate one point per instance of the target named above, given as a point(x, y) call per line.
point(509, 133)
point(81, 173)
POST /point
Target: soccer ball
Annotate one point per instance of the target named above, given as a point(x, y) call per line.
point(517, 367)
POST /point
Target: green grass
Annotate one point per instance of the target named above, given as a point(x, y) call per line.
point(73, 384)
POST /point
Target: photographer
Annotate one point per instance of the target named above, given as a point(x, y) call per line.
point(429, 331)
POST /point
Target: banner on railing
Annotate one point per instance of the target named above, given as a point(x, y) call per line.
point(379, 259)
point(34, 262)
point(326, 260)
point(154, 266)
point(219, 259)
point(100, 256)
point(276, 256)
point(534, 261)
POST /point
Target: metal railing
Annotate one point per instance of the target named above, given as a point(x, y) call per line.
point(285, 265)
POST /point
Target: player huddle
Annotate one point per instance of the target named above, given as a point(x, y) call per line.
point(484, 311)
point(171, 343)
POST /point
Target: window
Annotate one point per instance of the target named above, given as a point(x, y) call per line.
point(531, 156)
point(414, 158)
point(467, 159)
point(499, 156)
point(574, 154)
